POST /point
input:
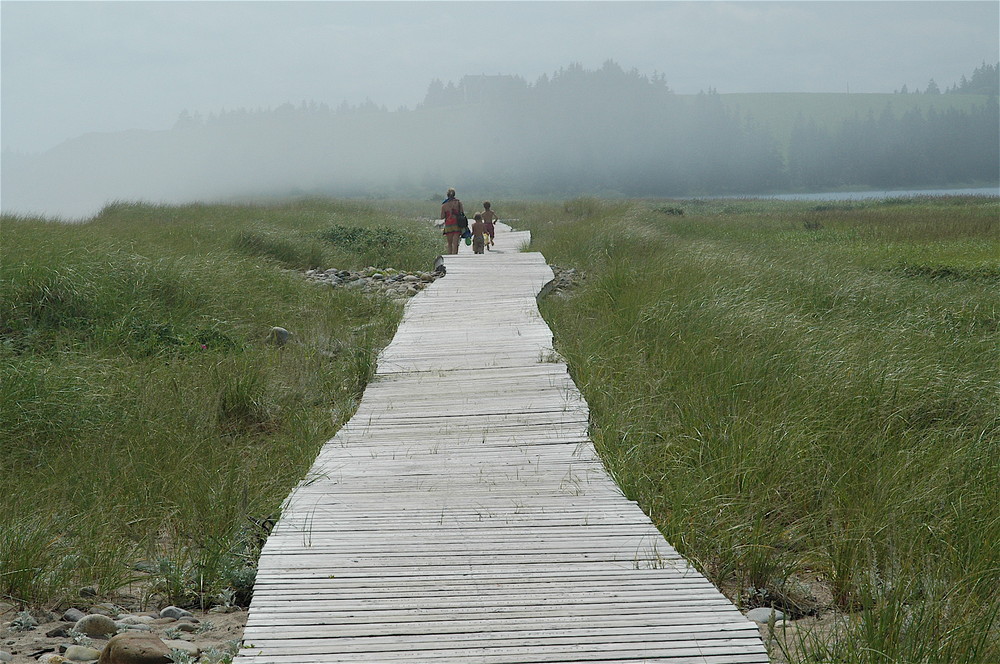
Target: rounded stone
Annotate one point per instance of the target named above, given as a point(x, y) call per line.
point(52, 658)
point(81, 654)
point(135, 648)
point(278, 336)
point(96, 625)
point(175, 613)
point(72, 615)
point(764, 614)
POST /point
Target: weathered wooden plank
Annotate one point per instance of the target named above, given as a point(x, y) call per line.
point(549, 618)
point(456, 589)
point(600, 640)
point(423, 633)
point(695, 653)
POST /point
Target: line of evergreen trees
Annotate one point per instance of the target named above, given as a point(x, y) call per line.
point(615, 131)
point(914, 149)
point(985, 81)
point(576, 132)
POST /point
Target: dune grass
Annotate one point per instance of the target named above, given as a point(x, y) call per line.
point(803, 396)
point(806, 400)
point(147, 430)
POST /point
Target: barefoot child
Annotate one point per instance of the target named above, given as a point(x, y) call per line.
point(478, 232)
point(489, 216)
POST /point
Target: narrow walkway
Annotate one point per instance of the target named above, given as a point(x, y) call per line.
point(462, 514)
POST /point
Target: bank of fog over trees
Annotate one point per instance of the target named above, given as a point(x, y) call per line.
point(603, 132)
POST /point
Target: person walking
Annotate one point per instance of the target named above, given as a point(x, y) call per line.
point(479, 236)
point(489, 218)
point(452, 211)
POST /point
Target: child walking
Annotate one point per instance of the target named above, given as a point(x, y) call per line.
point(478, 234)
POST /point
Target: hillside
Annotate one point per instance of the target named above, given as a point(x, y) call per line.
point(778, 112)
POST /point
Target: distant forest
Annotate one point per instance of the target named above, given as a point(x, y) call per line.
point(616, 131)
point(599, 132)
point(985, 81)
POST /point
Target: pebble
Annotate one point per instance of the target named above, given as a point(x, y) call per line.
point(96, 625)
point(129, 647)
point(6, 656)
point(52, 658)
point(278, 336)
point(763, 614)
point(81, 654)
point(175, 613)
point(72, 615)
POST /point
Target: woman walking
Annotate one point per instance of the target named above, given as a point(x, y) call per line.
point(451, 209)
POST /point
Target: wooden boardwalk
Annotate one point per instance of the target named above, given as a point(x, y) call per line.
point(462, 514)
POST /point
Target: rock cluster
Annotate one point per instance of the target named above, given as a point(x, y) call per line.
point(388, 281)
point(106, 634)
point(564, 280)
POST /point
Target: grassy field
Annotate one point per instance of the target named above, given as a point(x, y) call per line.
point(806, 400)
point(146, 426)
point(805, 397)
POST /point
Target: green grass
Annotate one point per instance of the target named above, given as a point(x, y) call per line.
point(804, 397)
point(803, 406)
point(146, 426)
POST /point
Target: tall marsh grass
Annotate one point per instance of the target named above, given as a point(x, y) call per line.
point(806, 413)
point(146, 427)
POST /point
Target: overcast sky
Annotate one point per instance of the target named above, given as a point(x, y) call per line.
point(70, 68)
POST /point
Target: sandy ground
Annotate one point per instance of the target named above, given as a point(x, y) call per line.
point(214, 630)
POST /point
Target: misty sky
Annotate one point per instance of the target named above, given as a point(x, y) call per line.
point(70, 68)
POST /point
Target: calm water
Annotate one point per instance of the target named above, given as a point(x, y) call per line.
point(863, 195)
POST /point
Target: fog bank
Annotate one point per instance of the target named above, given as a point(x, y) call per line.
point(596, 132)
